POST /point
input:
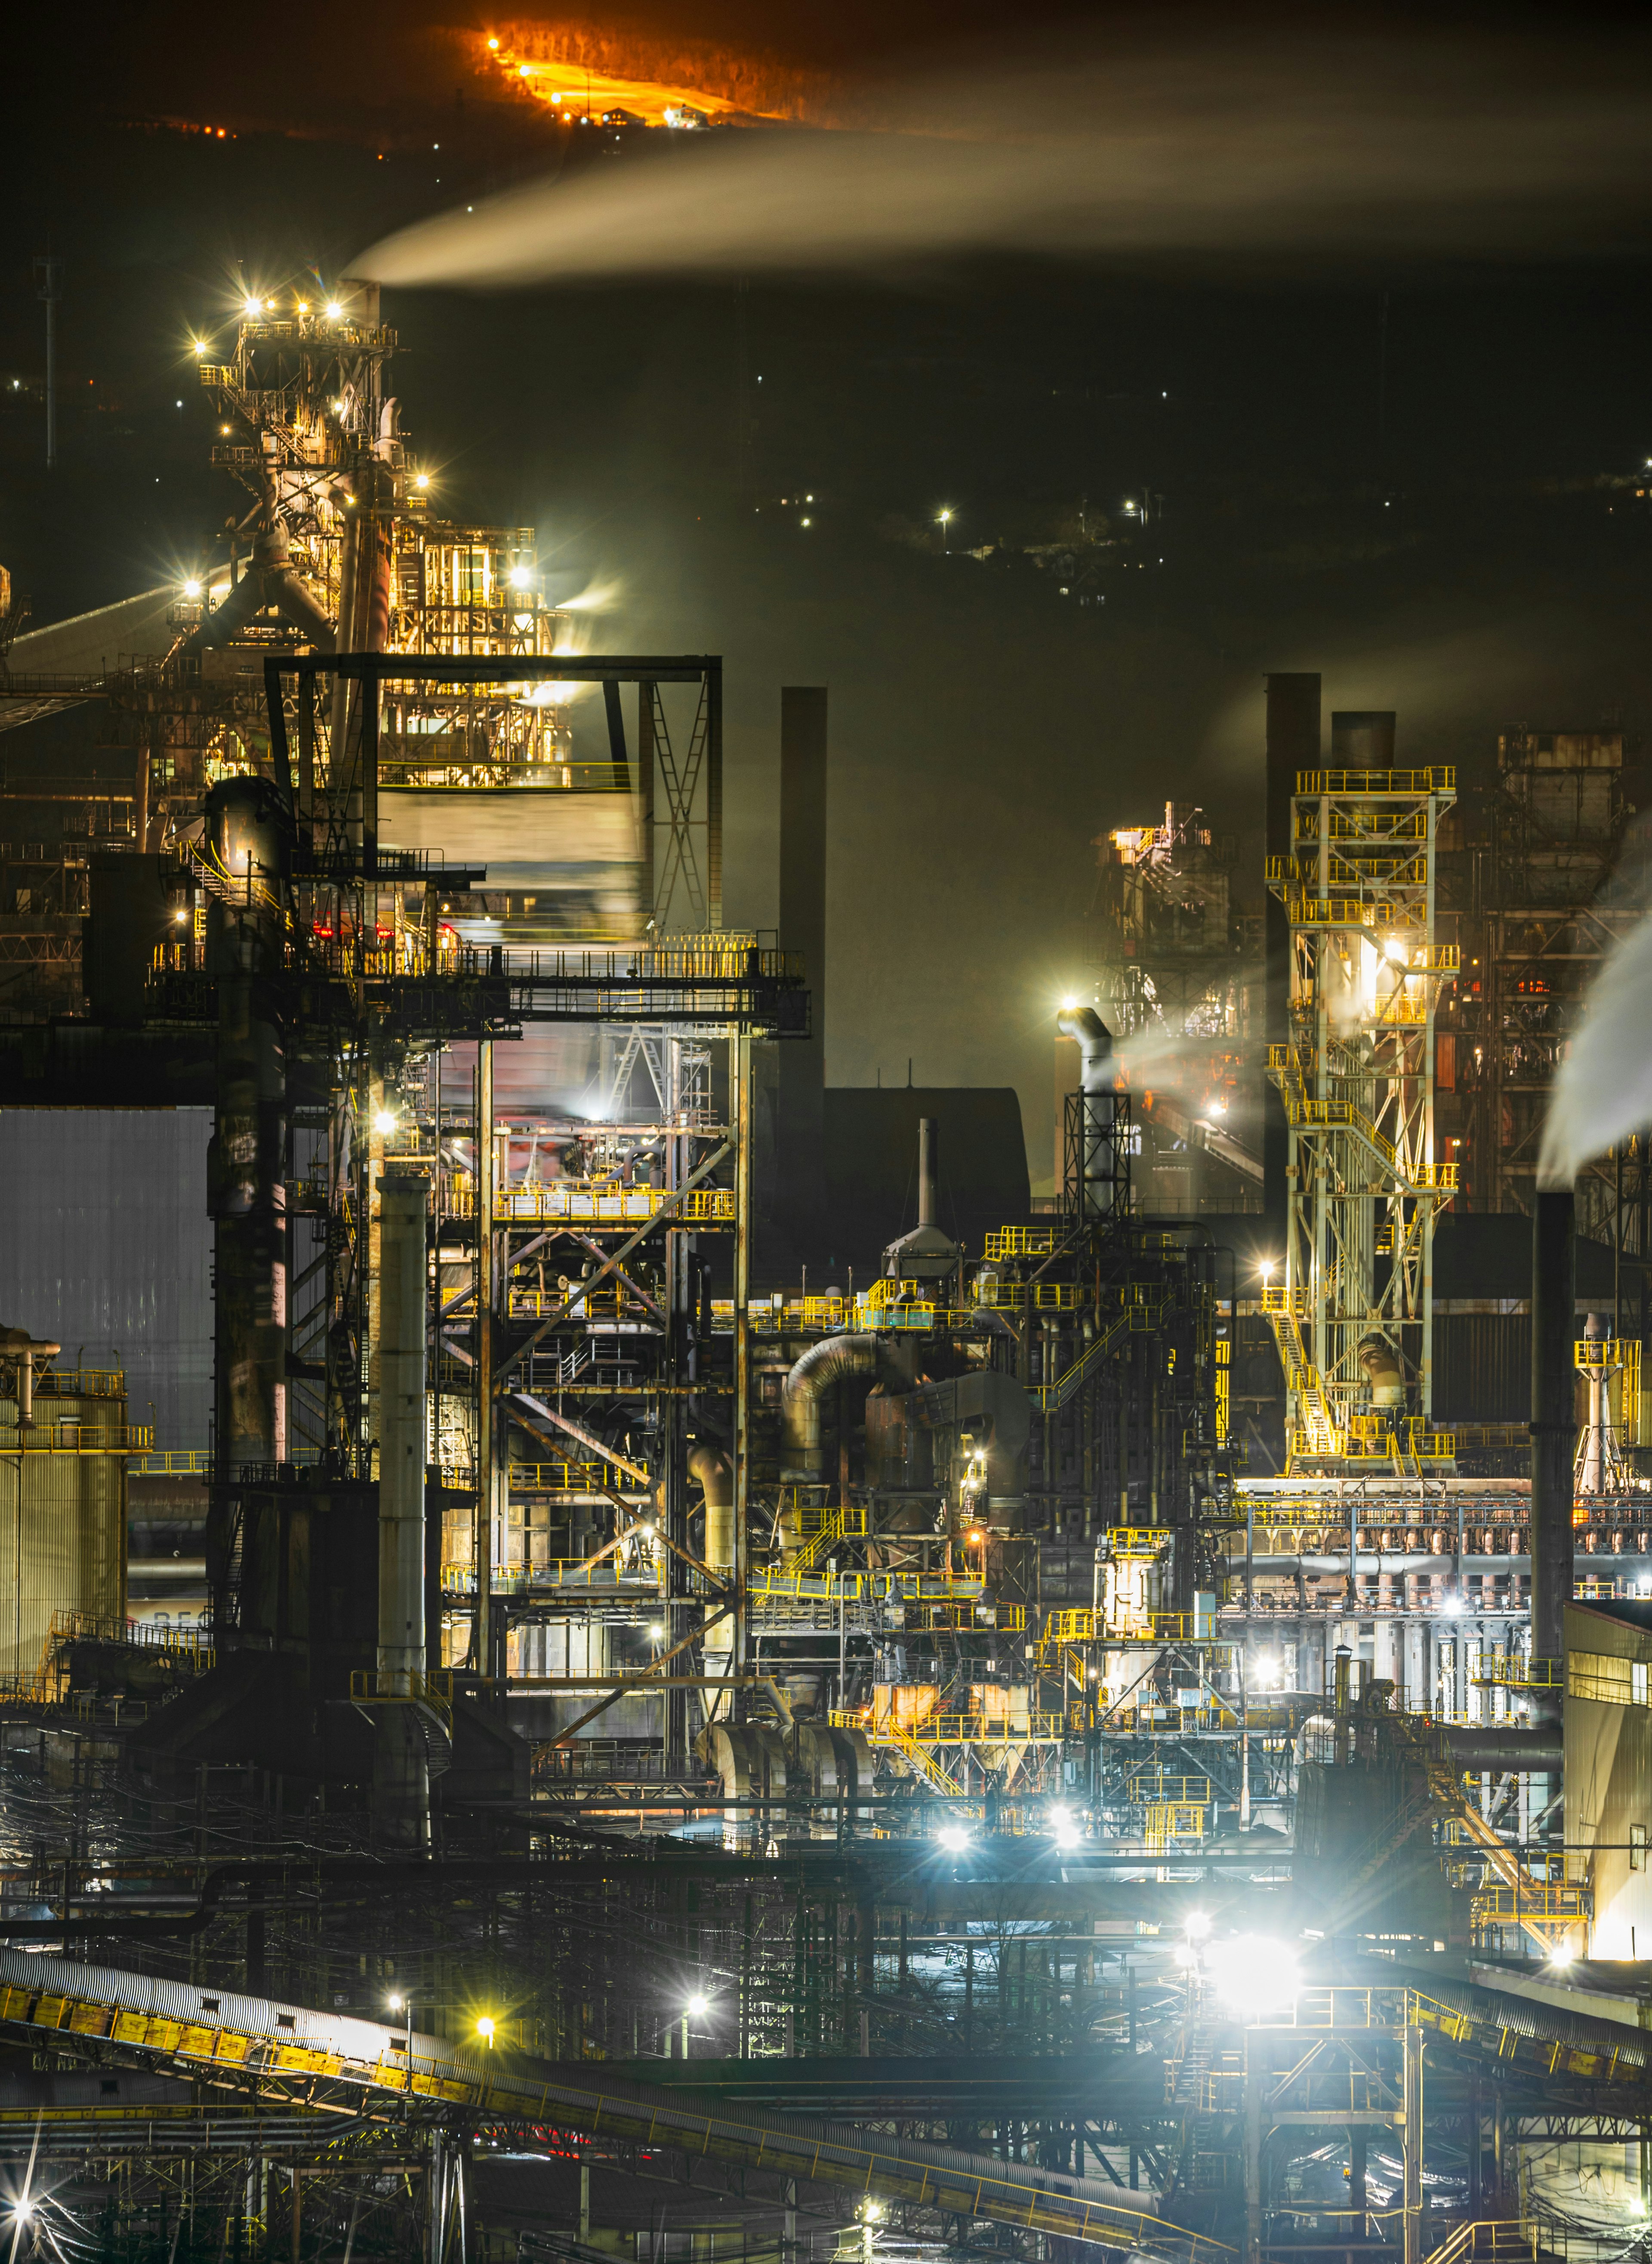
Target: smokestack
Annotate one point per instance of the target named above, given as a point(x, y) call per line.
point(1554, 1416)
point(802, 1061)
point(1293, 745)
point(50, 271)
point(928, 1143)
point(401, 1775)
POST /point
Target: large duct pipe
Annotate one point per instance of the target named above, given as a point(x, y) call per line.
point(401, 1767)
point(1519, 1753)
point(1554, 1416)
point(822, 1366)
point(1383, 1373)
point(715, 1474)
point(1098, 1107)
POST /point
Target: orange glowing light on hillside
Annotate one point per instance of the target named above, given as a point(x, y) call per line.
point(570, 86)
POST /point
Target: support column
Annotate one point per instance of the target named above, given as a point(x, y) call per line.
point(645, 802)
point(1411, 2139)
point(482, 1528)
point(1255, 2072)
point(1294, 729)
point(739, 1091)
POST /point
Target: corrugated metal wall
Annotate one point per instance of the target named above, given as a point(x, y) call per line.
point(1482, 1367)
point(63, 1531)
point(105, 1244)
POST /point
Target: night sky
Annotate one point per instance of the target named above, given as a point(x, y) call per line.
point(1417, 475)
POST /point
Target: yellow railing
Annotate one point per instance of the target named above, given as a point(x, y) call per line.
point(1077, 1625)
point(76, 1438)
point(1539, 1898)
point(1306, 1113)
point(1130, 1542)
point(1042, 1296)
point(1150, 1626)
point(853, 1587)
point(1183, 1791)
point(1504, 2237)
point(172, 1463)
point(571, 1574)
point(700, 1206)
point(372, 1687)
point(1018, 1242)
point(1027, 1725)
point(562, 1478)
point(188, 1645)
point(1170, 1824)
point(895, 1737)
point(824, 1529)
point(1498, 1671)
point(1441, 779)
point(81, 1383)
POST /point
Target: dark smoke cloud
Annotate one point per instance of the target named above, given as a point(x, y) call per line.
point(1447, 146)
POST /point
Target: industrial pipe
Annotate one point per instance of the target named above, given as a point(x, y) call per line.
point(716, 1473)
point(1383, 1373)
point(19, 1346)
point(1554, 1416)
point(822, 1365)
point(1098, 1106)
point(1367, 1561)
point(1533, 1752)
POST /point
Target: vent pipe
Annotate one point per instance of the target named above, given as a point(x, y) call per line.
point(927, 1143)
point(1098, 1107)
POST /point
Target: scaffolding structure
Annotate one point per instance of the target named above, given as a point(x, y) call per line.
point(1352, 1312)
point(1177, 966)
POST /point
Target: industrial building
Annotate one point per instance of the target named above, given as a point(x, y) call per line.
point(545, 1544)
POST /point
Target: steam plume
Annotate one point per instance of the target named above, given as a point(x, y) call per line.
point(1445, 146)
point(1604, 1090)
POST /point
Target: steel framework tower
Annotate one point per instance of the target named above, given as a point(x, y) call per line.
point(1352, 1314)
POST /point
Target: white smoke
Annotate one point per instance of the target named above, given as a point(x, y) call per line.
point(1443, 145)
point(1604, 1090)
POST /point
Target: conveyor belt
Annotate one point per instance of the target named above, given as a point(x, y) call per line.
point(183, 2027)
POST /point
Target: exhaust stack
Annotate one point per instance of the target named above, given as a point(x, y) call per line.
point(1554, 1416)
point(1098, 1107)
